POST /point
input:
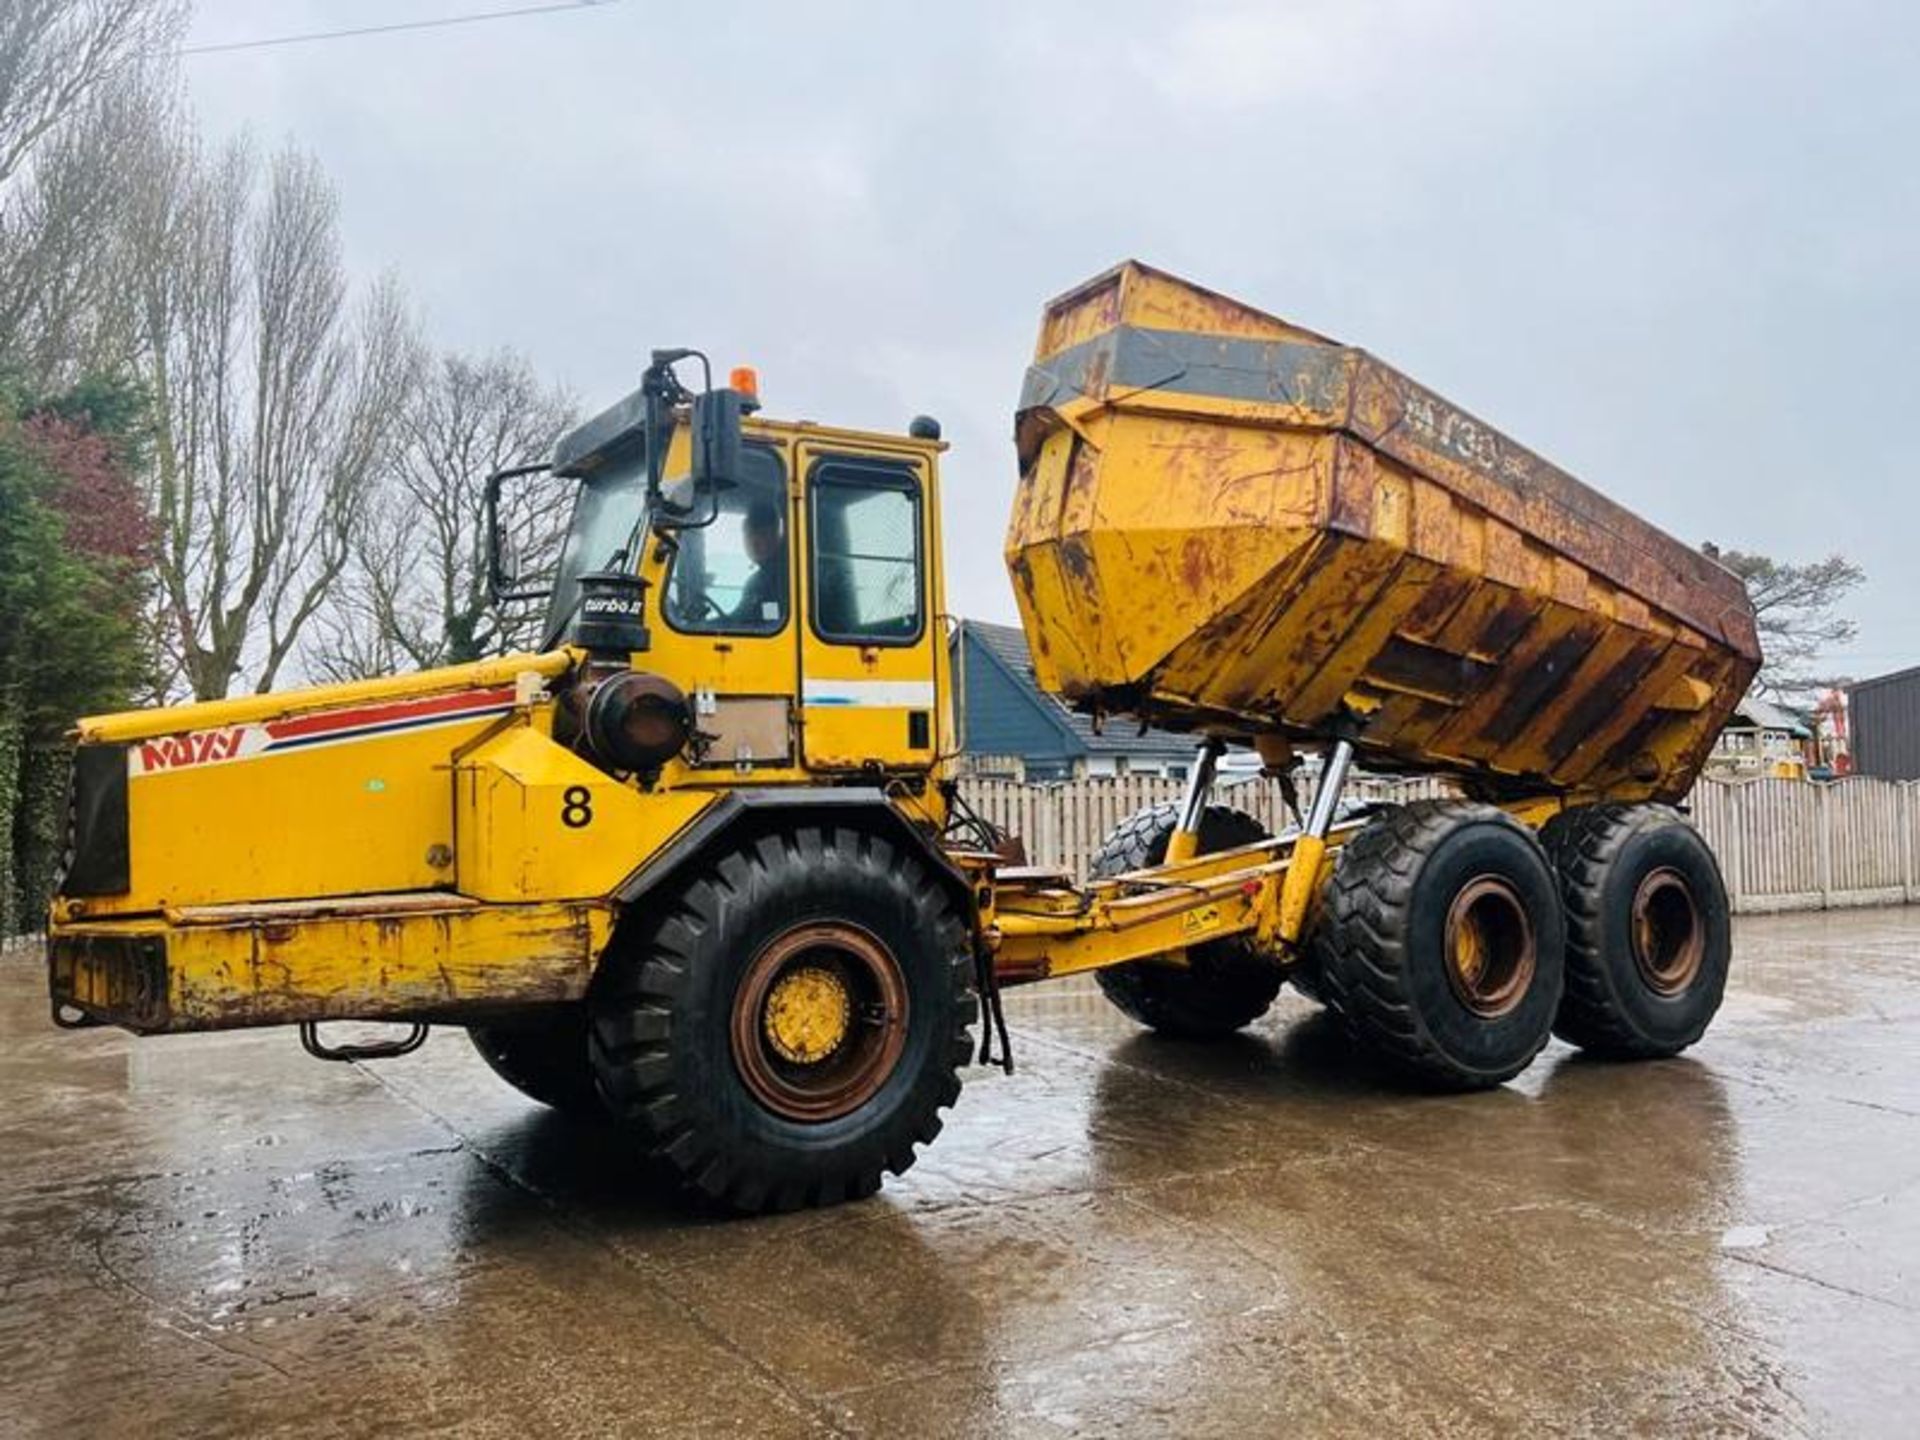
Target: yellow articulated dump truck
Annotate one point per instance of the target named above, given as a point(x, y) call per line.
point(699, 866)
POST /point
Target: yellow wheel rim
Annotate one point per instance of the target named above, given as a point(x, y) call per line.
point(819, 1021)
point(808, 1013)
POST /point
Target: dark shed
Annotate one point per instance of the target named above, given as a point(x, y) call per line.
point(1884, 723)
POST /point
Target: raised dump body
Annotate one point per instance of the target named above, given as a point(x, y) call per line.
point(1228, 523)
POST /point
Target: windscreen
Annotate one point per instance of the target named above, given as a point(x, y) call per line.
point(605, 513)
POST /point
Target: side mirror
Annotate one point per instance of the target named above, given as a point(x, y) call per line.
point(714, 445)
point(502, 583)
point(714, 418)
point(716, 439)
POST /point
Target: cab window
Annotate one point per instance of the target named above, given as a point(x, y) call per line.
point(730, 577)
point(867, 566)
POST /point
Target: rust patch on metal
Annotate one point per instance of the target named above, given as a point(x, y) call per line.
point(1438, 603)
point(1491, 954)
point(1021, 571)
point(1082, 470)
point(848, 1069)
point(1669, 939)
point(1601, 702)
point(1502, 630)
point(112, 979)
point(1077, 560)
point(1094, 382)
point(1021, 971)
point(1196, 566)
point(1548, 672)
point(1408, 665)
point(1625, 751)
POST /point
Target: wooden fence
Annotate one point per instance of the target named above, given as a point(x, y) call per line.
point(1064, 824)
point(1783, 844)
point(1794, 845)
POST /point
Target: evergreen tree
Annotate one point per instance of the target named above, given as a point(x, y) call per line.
point(73, 539)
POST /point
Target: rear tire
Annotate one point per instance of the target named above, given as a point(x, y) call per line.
point(1224, 986)
point(544, 1057)
point(1649, 937)
point(1441, 943)
point(790, 1025)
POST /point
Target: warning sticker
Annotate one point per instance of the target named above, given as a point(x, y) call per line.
point(1200, 921)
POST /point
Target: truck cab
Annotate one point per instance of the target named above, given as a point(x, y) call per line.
point(458, 842)
point(795, 602)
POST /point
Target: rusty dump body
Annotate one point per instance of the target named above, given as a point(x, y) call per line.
point(1229, 524)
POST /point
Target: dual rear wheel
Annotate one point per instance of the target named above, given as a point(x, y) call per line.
point(1441, 943)
point(1648, 934)
point(1453, 941)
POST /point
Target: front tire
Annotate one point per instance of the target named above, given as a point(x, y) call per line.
point(790, 1026)
point(1441, 943)
point(1649, 938)
point(1224, 986)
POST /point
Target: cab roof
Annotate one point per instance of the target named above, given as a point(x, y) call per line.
point(615, 435)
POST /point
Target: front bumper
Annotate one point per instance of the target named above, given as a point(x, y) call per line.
point(427, 956)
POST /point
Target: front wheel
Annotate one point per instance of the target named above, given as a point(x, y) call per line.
point(790, 1026)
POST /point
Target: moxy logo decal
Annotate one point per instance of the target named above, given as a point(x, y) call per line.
point(201, 747)
point(326, 727)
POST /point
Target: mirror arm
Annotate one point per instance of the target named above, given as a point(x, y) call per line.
point(498, 581)
point(663, 392)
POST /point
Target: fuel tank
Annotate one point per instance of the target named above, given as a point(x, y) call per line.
point(1231, 525)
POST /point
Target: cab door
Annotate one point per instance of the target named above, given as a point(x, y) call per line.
point(727, 621)
point(869, 642)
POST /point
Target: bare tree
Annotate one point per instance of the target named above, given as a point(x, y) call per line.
point(64, 296)
point(55, 53)
point(274, 396)
point(81, 81)
point(1797, 612)
point(416, 594)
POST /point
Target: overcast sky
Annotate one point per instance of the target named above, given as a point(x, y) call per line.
point(1673, 247)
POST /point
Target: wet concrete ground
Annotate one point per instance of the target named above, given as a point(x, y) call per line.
point(217, 1236)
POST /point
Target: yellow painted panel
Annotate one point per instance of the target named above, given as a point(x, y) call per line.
point(536, 822)
point(331, 790)
point(330, 819)
point(857, 700)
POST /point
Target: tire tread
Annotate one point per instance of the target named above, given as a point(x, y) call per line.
point(632, 1039)
point(1236, 992)
point(1361, 943)
point(1583, 844)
